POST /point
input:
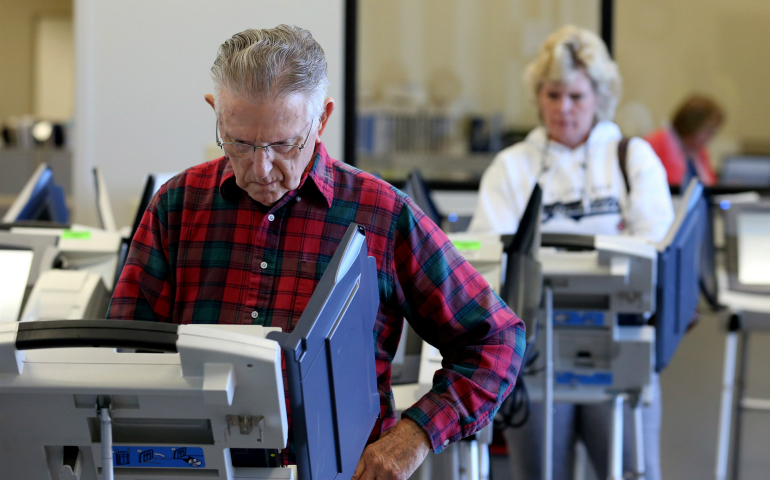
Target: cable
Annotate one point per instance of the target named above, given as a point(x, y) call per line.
point(515, 410)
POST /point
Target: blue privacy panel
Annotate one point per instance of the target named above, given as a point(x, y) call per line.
point(678, 290)
point(330, 365)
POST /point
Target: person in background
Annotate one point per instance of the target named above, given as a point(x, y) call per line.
point(587, 189)
point(682, 145)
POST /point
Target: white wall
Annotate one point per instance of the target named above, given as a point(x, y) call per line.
point(142, 68)
point(472, 52)
point(667, 50)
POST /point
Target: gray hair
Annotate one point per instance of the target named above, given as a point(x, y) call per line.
point(568, 50)
point(262, 64)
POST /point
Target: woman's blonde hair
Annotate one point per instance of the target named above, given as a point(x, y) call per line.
point(569, 50)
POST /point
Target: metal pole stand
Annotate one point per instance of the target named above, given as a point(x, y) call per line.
point(104, 413)
point(726, 404)
point(639, 463)
point(547, 470)
point(484, 439)
point(615, 450)
point(467, 459)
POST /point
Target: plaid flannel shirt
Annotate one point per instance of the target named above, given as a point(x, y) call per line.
point(207, 253)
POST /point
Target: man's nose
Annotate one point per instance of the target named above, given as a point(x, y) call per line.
point(262, 162)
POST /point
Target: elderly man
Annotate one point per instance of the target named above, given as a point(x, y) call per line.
point(244, 239)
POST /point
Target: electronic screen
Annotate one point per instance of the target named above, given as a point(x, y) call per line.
point(40, 199)
point(43, 248)
point(754, 248)
point(13, 282)
point(747, 259)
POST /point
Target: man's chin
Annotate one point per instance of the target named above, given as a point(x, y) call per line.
point(267, 199)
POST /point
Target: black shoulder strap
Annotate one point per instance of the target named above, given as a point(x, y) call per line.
point(622, 149)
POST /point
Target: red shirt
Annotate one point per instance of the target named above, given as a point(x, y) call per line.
point(668, 147)
point(205, 252)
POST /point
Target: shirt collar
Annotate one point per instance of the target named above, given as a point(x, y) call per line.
point(321, 175)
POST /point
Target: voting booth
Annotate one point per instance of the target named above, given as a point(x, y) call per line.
point(613, 311)
point(616, 309)
point(744, 288)
point(53, 270)
point(103, 399)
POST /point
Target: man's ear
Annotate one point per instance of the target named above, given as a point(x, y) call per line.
point(210, 100)
point(325, 114)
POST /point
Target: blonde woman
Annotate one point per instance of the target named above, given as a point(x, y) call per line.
point(574, 158)
point(573, 155)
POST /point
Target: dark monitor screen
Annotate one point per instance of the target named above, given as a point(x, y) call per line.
point(151, 186)
point(522, 287)
point(679, 262)
point(747, 239)
point(330, 363)
point(418, 191)
point(40, 199)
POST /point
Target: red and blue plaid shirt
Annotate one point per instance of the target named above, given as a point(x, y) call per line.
point(205, 252)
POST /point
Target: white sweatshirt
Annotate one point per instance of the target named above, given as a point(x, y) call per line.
point(583, 188)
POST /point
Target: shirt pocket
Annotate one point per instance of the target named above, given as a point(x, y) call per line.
point(312, 267)
point(309, 271)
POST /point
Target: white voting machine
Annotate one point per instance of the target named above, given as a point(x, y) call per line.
point(161, 401)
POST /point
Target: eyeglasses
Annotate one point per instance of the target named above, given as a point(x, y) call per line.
point(280, 151)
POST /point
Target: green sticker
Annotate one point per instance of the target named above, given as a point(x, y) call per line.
point(467, 245)
point(76, 235)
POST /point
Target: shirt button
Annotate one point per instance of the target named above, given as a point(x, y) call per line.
point(446, 442)
point(263, 265)
point(254, 314)
point(299, 198)
point(271, 217)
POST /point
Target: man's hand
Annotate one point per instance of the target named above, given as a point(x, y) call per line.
point(396, 455)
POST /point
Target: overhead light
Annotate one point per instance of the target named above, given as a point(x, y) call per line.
point(42, 131)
